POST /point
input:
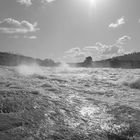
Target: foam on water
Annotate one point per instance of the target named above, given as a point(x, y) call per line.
point(64, 67)
point(89, 111)
point(83, 99)
point(134, 83)
point(130, 81)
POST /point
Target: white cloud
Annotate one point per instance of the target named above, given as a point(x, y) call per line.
point(98, 51)
point(30, 37)
point(74, 55)
point(50, 1)
point(11, 26)
point(123, 40)
point(118, 23)
point(74, 50)
point(111, 50)
point(103, 51)
point(21, 36)
point(28, 3)
point(25, 2)
point(91, 48)
point(115, 49)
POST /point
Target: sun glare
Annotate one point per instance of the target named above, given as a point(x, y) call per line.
point(92, 3)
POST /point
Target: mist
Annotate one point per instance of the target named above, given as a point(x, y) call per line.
point(29, 69)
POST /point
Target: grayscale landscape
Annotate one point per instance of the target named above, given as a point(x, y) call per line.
point(69, 69)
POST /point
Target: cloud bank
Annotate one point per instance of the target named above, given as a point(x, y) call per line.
point(98, 51)
point(25, 2)
point(12, 26)
point(28, 3)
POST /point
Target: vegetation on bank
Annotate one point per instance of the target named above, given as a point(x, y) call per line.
point(9, 59)
point(125, 61)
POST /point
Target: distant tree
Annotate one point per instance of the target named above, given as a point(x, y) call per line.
point(88, 60)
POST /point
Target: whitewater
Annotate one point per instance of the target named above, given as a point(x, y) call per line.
point(72, 103)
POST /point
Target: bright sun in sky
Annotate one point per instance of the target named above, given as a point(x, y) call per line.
point(92, 3)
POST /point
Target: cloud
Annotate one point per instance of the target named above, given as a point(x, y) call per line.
point(30, 37)
point(98, 51)
point(25, 2)
point(74, 52)
point(25, 37)
point(28, 3)
point(117, 48)
point(123, 40)
point(50, 1)
point(102, 49)
point(11, 26)
point(118, 23)
point(112, 50)
point(91, 48)
point(74, 55)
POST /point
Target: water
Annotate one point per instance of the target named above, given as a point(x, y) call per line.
point(103, 101)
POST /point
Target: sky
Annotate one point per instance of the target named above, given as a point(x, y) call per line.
point(70, 30)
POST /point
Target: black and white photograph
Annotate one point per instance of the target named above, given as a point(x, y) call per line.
point(69, 69)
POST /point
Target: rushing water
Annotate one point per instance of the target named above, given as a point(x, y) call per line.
point(105, 101)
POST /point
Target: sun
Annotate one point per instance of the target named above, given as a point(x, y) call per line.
point(89, 6)
point(89, 3)
point(92, 3)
